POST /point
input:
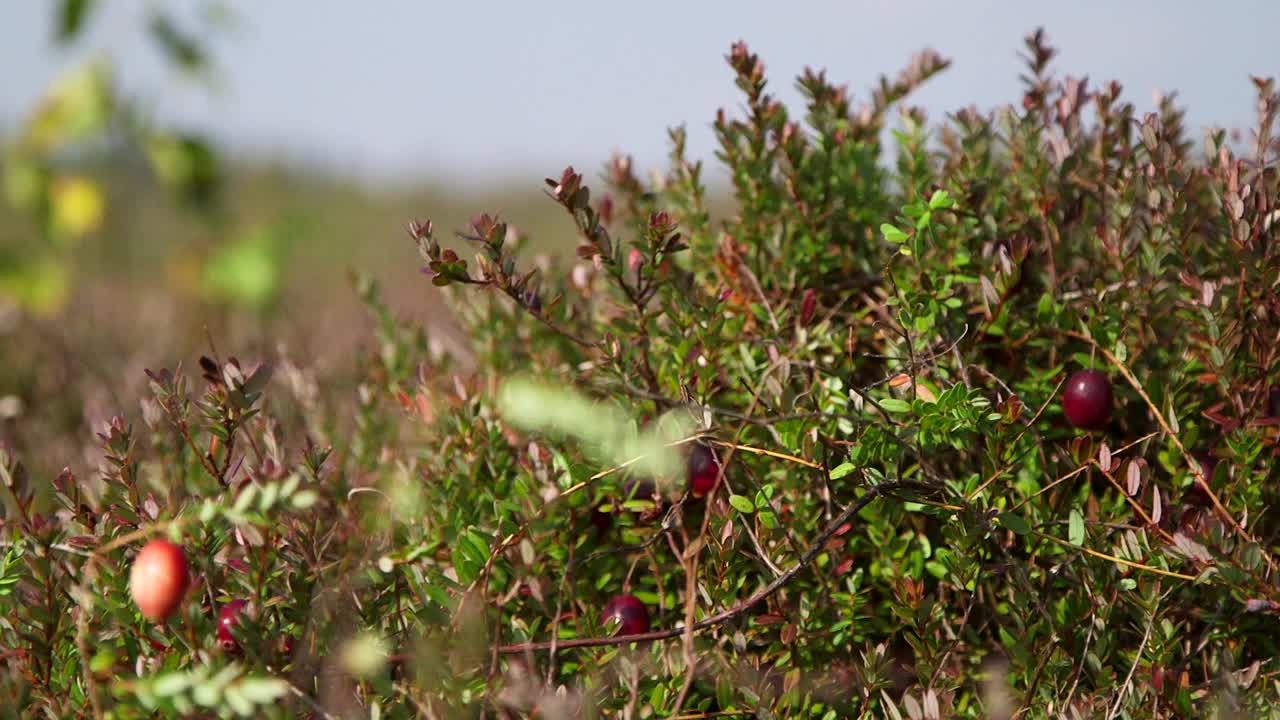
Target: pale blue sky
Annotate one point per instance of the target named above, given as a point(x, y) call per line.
point(475, 91)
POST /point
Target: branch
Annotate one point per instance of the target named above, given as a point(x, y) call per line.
point(720, 618)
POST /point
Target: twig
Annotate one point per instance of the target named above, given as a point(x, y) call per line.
point(1079, 469)
point(973, 597)
point(1073, 294)
point(1192, 463)
point(770, 453)
point(812, 552)
point(1080, 665)
point(63, 547)
point(315, 707)
point(1137, 657)
point(523, 530)
point(1113, 558)
point(423, 710)
point(1005, 468)
point(582, 342)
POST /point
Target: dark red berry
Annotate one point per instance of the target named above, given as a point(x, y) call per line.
point(808, 306)
point(1195, 496)
point(601, 519)
point(631, 616)
point(1087, 399)
point(1208, 464)
point(640, 490)
point(228, 618)
point(704, 471)
point(1193, 521)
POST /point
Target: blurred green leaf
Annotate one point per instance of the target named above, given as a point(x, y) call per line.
point(40, 284)
point(183, 49)
point(72, 15)
point(605, 430)
point(245, 271)
point(186, 163)
point(78, 106)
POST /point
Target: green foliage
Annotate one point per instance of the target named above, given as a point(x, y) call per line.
point(85, 121)
point(530, 406)
point(871, 341)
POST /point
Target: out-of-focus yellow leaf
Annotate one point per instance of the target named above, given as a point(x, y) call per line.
point(78, 207)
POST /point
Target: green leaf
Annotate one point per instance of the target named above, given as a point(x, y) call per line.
point(171, 684)
point(892, 233)
point(940, 199)
point(742, 504)
point(608, 432)
point(462, 564)
point(102, 661)
point(1015, 522)
point(71, 18)
point(1075, 528)
point(244, 499)
point(304, 499)
point(263, 690)
point(182, 48)
point(841, 470)
point(1121, 351)
point(237, 702)
point(894, 405)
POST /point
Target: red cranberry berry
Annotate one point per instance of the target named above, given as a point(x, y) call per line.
point(631, 616)
point(704, 471)
point(227, 619)
point(1087, 399)
point(159, 579)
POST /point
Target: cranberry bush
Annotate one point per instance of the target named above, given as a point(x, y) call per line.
point(811, 456)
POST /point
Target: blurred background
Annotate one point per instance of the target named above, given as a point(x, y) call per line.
point(178, 175)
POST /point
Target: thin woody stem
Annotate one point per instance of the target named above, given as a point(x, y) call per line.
point(812, 552)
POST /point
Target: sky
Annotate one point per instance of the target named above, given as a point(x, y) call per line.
point(475, 92)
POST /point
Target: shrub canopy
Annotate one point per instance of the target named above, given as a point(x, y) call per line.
point(872, 339)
